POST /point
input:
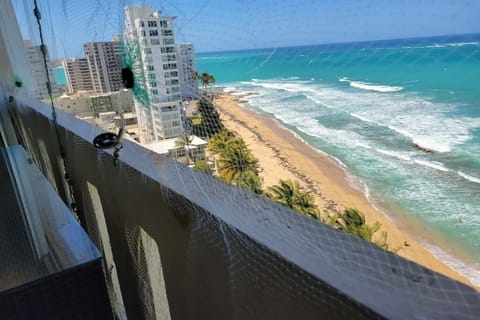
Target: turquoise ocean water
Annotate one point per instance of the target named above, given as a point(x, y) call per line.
point(403, 117)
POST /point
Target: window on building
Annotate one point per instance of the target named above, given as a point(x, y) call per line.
point(150, 67)
point(168, 49)
point(148, 50)
point(154, 92)
point(153, 84)
point(144, 34)
point(152, 24)
point(153, 33)
point(168, 41)
point(151, 76)
point(155, 42)
point(142, 24)
point(168, 66)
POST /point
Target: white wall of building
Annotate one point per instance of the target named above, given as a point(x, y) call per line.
point(104, 65)
point(186, 70)
point(35, 57)
point(84, 102)
point(152, 37)
point(78, 75)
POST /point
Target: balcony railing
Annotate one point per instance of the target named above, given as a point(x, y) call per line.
point(180, 244)
point(49, 268)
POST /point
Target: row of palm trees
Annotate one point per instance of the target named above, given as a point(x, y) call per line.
point(237, 165)
point(209, 123)
point(235, 159)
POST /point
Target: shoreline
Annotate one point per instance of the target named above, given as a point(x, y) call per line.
point(283, 154)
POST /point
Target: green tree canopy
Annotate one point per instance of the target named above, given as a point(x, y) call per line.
point(353, 221)
point(234, 160)
point(184, 141)
point(219, 141)
point(290, 194)
point(210, 123)
point(251, 181)
point(202, 165)
point(205, 79)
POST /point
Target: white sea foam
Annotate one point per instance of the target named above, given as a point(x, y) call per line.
point(211, 58)
point(423, 122)
point(238, 93)
point(291, 86)
point(364, 119)
point(469, 271)
point(335, 159)
point(379, 88)
point(470, 178)
point(395, 154)
point(229, 89)
point(416, 118)
point(425, 142)
point(371, 86)
point(444, 45)
point(432, 164)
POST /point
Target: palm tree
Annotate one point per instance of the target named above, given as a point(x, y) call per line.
point(202, 165)
point(204, 79)
point(219, 141)
point(353, 221)
point(306, 204)
point(185, 141)
point(289, 194)
point(211, 80)
point(250, 180)
point(234, 160)
point(210, 123)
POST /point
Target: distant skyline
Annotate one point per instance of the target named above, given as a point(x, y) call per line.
point(234, 25)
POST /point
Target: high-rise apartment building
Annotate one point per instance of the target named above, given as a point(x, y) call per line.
point(187, 70)
point(104, 65)
point(78, 74)
point(150, 37)
point(35, 58)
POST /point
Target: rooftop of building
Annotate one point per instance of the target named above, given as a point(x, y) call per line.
point(164, 146)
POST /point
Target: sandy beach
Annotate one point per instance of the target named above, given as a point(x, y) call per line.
point(282, 155)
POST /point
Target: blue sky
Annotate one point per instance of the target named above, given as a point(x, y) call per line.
point(216, 25)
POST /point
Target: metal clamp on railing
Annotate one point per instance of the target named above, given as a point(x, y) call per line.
point(110, 140)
